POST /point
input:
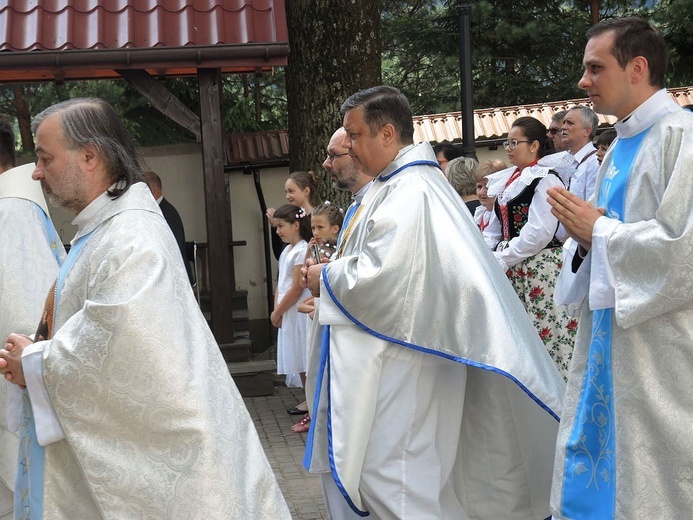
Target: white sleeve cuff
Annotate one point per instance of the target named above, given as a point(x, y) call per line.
point(48, 428)
point(571, 288)
point(330, 313)
point(602, 286)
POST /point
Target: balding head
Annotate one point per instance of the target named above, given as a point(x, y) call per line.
point(341, 167)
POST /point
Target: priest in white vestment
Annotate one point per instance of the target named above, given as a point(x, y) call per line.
point(130, 396)
point(624, 446)
point(436, 397)
point(29, 259)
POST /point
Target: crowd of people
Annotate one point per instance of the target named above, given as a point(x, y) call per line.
point(475, 340)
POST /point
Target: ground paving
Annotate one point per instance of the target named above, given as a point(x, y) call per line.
point(285, 449)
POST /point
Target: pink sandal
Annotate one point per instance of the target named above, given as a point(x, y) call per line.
point(302, 426)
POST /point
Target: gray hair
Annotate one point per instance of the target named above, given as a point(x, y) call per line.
point(94, 122)
point(382, 105)
point(588, 118)
point(558, 116)
point(461, 173)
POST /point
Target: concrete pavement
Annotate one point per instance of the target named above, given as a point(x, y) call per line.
point(285, 449)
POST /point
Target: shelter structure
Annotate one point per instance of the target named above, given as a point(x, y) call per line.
point(145, 40)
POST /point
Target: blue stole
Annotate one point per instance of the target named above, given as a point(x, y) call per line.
point(51, 234)
point(28, 495)
point(347, 218)
point(589, 485)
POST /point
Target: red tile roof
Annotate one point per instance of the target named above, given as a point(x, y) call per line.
point(257, 148)
point(89, 38)
point(494, 123)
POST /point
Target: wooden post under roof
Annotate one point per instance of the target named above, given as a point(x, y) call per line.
point(218, 216)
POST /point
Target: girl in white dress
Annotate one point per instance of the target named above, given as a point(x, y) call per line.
point(293, 227)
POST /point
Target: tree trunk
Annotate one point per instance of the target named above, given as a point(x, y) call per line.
point(594, 11)
point(335, 51)
point(23, 118)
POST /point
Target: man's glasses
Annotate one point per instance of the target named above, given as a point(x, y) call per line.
point(553, 131)
point(511, 145)
point(331, 156)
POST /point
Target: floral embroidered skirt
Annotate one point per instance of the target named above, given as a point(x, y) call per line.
point(534, 280)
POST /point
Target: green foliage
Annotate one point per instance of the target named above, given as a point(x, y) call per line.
point(419, 54)
point(676, 23)
point(146, 125)
point(241, 112)
point(523, 51)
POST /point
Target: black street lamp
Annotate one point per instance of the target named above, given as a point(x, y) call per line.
point(467, 98)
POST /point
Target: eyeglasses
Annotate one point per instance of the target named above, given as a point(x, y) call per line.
point(553, 131)
point(331, 156)
point(511, 145)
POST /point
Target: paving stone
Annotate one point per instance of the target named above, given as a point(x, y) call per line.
point(285, 449)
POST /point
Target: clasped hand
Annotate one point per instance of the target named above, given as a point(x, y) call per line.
point(310, 276)
point(577, 216)
point(11, 358)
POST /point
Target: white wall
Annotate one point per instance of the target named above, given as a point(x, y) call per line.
point(180, 169)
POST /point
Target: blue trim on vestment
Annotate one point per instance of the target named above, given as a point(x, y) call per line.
point(72, 256)
point(324, 352)
point(387, 177)
point(589, 473)
point(28, 499)
point(426, 350)
point(28, 496)
point(29, 480)
point(322, 370)
point(330, 451)
point(51, 234)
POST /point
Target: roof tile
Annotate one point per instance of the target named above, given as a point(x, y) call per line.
point(27, 25)
point(494, 123)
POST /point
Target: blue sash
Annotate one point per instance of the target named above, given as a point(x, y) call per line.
point(28, 496)
point(589, 485)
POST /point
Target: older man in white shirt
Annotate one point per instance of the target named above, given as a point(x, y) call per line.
point(578, 130)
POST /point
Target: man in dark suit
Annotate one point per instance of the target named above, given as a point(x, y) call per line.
point(172, 217)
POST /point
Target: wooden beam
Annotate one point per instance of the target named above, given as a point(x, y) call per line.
point(162, 99)
point(221, 272)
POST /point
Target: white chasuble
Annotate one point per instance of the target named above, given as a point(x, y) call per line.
point(441, 400)
point(154, 425)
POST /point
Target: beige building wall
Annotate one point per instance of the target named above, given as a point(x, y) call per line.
point(180, 169)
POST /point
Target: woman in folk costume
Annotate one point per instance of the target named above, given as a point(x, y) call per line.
point(529, 250)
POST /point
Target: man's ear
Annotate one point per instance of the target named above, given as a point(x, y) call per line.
point(640, 70)
point(389, 134)
point(90, 158)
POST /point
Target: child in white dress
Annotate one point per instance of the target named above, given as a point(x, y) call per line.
point(293, 227)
